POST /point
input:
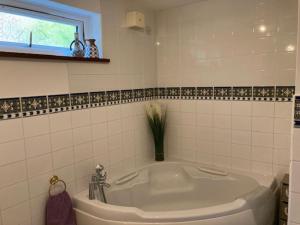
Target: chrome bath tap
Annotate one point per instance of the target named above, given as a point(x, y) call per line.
point(97, 184)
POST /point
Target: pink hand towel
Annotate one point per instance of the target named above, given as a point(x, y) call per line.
point(59, 210)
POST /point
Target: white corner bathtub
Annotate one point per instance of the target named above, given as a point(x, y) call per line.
point(184, 194)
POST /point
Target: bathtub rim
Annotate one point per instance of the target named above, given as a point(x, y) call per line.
point(133, 214)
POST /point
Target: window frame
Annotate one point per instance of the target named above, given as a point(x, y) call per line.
point(88, 22)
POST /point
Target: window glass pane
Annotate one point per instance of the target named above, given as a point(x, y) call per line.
point(17, 28)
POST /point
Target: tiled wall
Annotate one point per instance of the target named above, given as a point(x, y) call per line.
point(294, 194)
point(227, 43)
point(70, 143)
point(248, 133)
point(240, 44)
point(294, 198)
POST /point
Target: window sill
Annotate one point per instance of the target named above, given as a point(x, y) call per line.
point(52, 57)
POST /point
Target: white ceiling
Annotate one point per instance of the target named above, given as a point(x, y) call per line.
point(165, 4)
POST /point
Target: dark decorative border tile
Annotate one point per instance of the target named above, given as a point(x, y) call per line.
point(188, 93)
point(155, 93)
point(205, 93)
point(113, 97)
point(173, 92)
point(297, 112)
point(264, 93)
point(30, 106)
point(223, 93)
point(59, 103)
point(138, 95)
point(10, 108)
point(285, 93)
point(242, 93)
point(33, 106)
point(80, 100)
point(161, 92)
point(127, 96)
point(98, 99)
point(149, 93)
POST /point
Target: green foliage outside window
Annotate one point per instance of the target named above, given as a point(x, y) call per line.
point(16, 28)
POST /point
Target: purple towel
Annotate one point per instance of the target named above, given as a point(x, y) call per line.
point(59, 210)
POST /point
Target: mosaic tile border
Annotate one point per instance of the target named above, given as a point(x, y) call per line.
point(297, 112)
point(17, 107)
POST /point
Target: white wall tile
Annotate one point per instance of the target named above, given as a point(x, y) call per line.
point(282, 141)
point(264, 109)
point(188, 106)
point(60, 121)
point(241, 123)
point(241, 108)
point(262, 154)
point(295, 173)
point(262, 168)
point(204, 120)
point(66, 173)
point(114, 127)
point(100, 148)
point(221, 121)
point(37, 208)
point(99, 131)
point(263, 124)
point(241, 164)
point(12, 173)
point(12, 152)
point(39, 185)
point(204, 107)
point(222, 148)
point(13, 195)
point(37, 125)
point(222, 135)
point(282, 126)
point(281, 157)
point(36, 146)
point(61, 140)
point(222, 161)
point(63, 157)
point(113, 112)
point(222, 107)
point(82, 135)
point(39, 165)
point(115, 142)
point(83, 151)
point(188, 119)
point(241, 151)
point(11, 130)
point(241, 137)
point(98, 115)
point(204, 133)
point(294, 204)
point(295, 151)
point(262, 139)
point(22, 210)
point(80, 118)
point(283, 110)
point(84, 168)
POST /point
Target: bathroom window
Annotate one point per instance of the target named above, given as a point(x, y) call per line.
point(45, 27)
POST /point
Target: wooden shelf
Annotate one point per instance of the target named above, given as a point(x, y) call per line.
point(52, 57)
